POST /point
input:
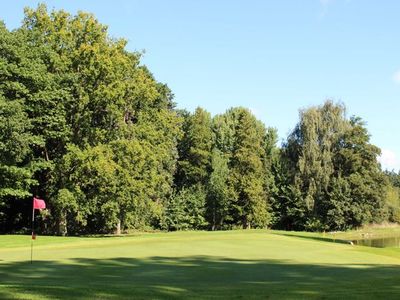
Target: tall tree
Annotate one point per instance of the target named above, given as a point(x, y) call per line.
point(358, 190)
point(194, 163)
point(393, 195)
point(248, 148)
point(247, 171)
point(219, 193)
point(80, 89)
point(331, 163)
point(20, 78)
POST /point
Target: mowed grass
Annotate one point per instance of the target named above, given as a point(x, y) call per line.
point(196, 265)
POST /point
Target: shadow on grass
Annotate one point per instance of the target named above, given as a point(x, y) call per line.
point(316, 238)
point(194, 277)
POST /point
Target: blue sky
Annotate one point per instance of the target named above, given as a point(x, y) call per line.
point(273, 57)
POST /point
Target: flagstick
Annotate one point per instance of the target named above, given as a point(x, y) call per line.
point(33, 231)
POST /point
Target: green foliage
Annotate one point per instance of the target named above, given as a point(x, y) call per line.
point(186, 209)
point(244, 141)
point(393, 178)
point(392, 194)
point(15, 151)
point(117, 184)
point(86, 126)
point(87, 122)
point(16, 138)
point(195, 150)
point(312, 144)
point(219, 193)
point(332, 163)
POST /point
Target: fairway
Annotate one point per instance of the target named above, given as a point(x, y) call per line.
point(236, 264)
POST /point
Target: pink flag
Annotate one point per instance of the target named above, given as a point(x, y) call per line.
point(38, 203)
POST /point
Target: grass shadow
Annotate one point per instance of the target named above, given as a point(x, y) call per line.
point(195, 277)
point(316, 238)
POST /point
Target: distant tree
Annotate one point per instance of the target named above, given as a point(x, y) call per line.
point(393, 177)
point(247, 170)
point(289, 208)
point(332, 164)
point(219, 193)
point(194, 164)
point(186, 209)
point(249, 148)
point(393, 195)
point(270, 160)
point(360, 181)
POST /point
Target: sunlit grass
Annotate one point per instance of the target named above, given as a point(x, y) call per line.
point(235, 264)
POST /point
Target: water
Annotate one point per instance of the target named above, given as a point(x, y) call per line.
point(393, 241)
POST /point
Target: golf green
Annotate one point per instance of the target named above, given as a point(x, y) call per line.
point(202, 265)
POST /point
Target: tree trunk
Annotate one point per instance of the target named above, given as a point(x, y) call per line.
point(62, 224)
point(214, 221)
point(118, 229)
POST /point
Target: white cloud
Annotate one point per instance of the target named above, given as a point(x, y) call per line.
point(396, 77)
point(389, 160)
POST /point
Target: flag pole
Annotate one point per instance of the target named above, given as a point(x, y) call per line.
point(33, 228)
point(37, 204)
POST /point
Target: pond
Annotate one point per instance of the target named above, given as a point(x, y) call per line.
point(383, 242)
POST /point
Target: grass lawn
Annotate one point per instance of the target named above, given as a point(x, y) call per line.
point(236, 264)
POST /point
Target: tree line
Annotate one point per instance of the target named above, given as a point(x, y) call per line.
point(87, 127)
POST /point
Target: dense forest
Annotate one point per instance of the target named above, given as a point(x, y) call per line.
point(86, 126)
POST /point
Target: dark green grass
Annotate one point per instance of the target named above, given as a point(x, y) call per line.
point(203, 265)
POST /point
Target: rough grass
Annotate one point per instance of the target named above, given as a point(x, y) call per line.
point(197, 265)
point(373, 231)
